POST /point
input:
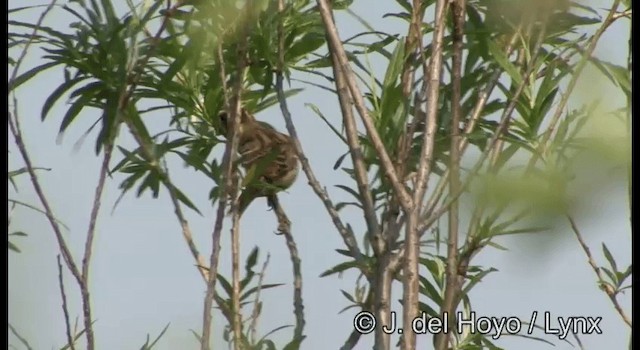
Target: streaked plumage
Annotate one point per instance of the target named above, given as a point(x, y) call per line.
point(268, 153)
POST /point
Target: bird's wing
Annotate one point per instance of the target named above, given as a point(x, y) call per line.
point(266, 145)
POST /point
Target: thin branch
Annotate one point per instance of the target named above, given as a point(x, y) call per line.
point(14, 126)
point(453, 280)
point(347, 235)
point(577, 72)
point(228, 182)
point(609, 291)
point(298, 305)
point(65, 309)
point(355, 151)
point(228, 160)
point(411, 244)
point(256, 303)
point(86, 260)
point(20, 338)
point(338, 50)
point(235, 269)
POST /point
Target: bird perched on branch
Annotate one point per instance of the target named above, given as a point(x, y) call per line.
point(270, 162)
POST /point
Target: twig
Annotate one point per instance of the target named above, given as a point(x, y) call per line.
point(298, 305)
point(20, 338)
point(14, 126)
point(347, 235)
point(609, 291)
point(65, 310)
point(256, 303)
point(338, 50)
point(86, 260)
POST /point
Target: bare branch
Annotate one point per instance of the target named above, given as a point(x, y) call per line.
point(65, 309)
point(20, 338)
point(256, 303)
point(347, 235)
point(338, 50)
point(233, 105)
point(14, 127)
point(357, 158)
point(411, 243)
point(453, 280)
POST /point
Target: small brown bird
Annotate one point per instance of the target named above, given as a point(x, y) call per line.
point(270, 161)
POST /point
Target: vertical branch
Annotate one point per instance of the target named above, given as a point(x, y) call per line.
point(411, 244)
point(453, 280)
point(234, 106)
point(256, 303)
point(628, 117)
point(65, 309)
point(20, 338)
point(226, 182)
point(298, 305)
point(235, 271)
point(88, 247)
point(382, 301)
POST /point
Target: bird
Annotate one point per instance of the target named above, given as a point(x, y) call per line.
point(270, 162)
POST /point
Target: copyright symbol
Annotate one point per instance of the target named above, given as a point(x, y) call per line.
point(364, 322)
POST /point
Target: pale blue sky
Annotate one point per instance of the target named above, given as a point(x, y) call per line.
point(143, 275)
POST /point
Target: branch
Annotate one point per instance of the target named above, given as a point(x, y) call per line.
point(453, 279)
point(65, 310)
point(347, 235)
point(14, 127)
point(228, 164)
point(256, 303)
point(20, 338)
point(337, 48)
point(86, 260)
point(357, 158)
point(609, 291)
point(411, 243)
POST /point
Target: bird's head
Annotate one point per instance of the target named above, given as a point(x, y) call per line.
point(225, 121)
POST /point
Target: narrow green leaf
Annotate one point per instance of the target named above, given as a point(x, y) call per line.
point(394, 67)
point(504, 62)
point(24, 77)
point(339, 268)
point(609, 257)
point(56, 94)
point(13, 247)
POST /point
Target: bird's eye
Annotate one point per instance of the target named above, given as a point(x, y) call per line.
point(223, 117)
